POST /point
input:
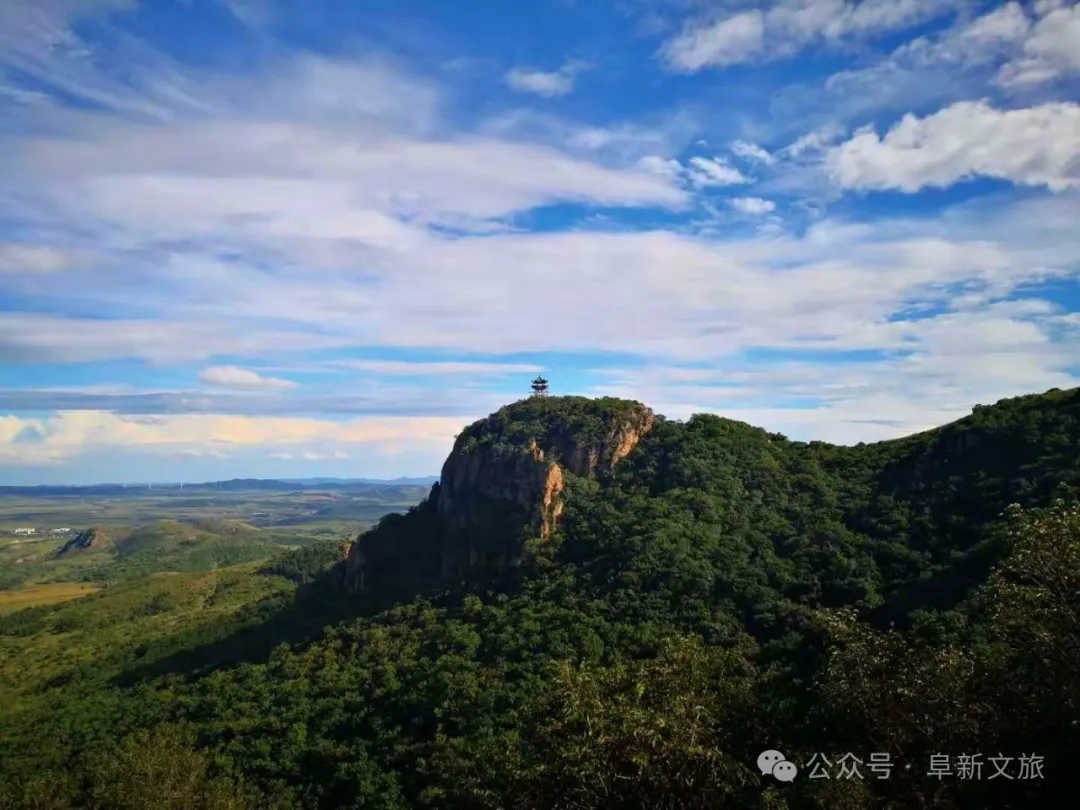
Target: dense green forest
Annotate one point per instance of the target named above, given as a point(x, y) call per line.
point(713, 592)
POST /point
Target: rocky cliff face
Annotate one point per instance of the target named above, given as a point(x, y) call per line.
point(494, 494)
point(351, 566)
point(490, 501)
point(503, 483)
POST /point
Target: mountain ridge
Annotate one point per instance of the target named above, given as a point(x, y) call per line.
point(504, 486)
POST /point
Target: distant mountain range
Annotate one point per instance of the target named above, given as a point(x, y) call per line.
point(233, 485)
point(390, 482)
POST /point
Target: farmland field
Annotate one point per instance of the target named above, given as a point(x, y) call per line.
point(315, 511)
point(142, 531)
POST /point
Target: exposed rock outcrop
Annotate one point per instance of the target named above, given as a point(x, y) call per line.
point(352, 565)
point(502, 484)
point(86, 539)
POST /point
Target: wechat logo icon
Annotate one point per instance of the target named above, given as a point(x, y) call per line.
point(773, 763)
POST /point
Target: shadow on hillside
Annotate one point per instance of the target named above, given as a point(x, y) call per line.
point(947, 587)
point(253, 633)
point(318, 601)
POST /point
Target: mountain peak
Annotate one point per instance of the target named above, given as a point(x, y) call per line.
point(504, 479)
point(582, 435)
point(503, 483)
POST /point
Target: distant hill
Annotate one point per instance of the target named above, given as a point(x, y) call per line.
point(225, 527)
point(232, 485)
point(383, 482)
point(111, 554)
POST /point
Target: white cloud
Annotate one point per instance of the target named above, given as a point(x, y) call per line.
point(931, 71)
point(1042, 7)
point(706, 173)
point(216, 454)
point(543, 84)
point(753, 205)
point(1033, 51)
point(840, 287)
point(255, 13)
point(786, 27)
point(619, 143)
point(310, 148)
point(1052, 50)
point(310, 455)
point(234, 377)
point(439, 369)
point(699, 172)
point(813, 142)
point(653, 164)
point(548, 84)
point(279, 182)
point(31, 337)
point(692, 298)
point(738, 38)
point(68, 435)
point(372, 94)
point(21, 258)
point(1009, 23)
point(960, 360)
point(1006, 46)
point(37, 42)
point(1038, 146)
point(336, 393)
point(753, 152)
point(307, 208)
point(687, 298)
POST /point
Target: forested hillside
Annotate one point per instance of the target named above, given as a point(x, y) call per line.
point(598, 607)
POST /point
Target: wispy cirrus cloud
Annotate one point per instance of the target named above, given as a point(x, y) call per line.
point(23, 258)
point(27, 337)
point(294, 181)
point(977, 55)
point(236, 377)
point(782, 29)
point(752, 152)
point(546, 83)
point(38, 42)
point(437, 368)
point(707, 172)
point(380, 398)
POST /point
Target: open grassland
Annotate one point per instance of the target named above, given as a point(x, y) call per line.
point(36, 595)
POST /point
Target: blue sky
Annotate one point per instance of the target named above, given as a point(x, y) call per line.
point(284, 238)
